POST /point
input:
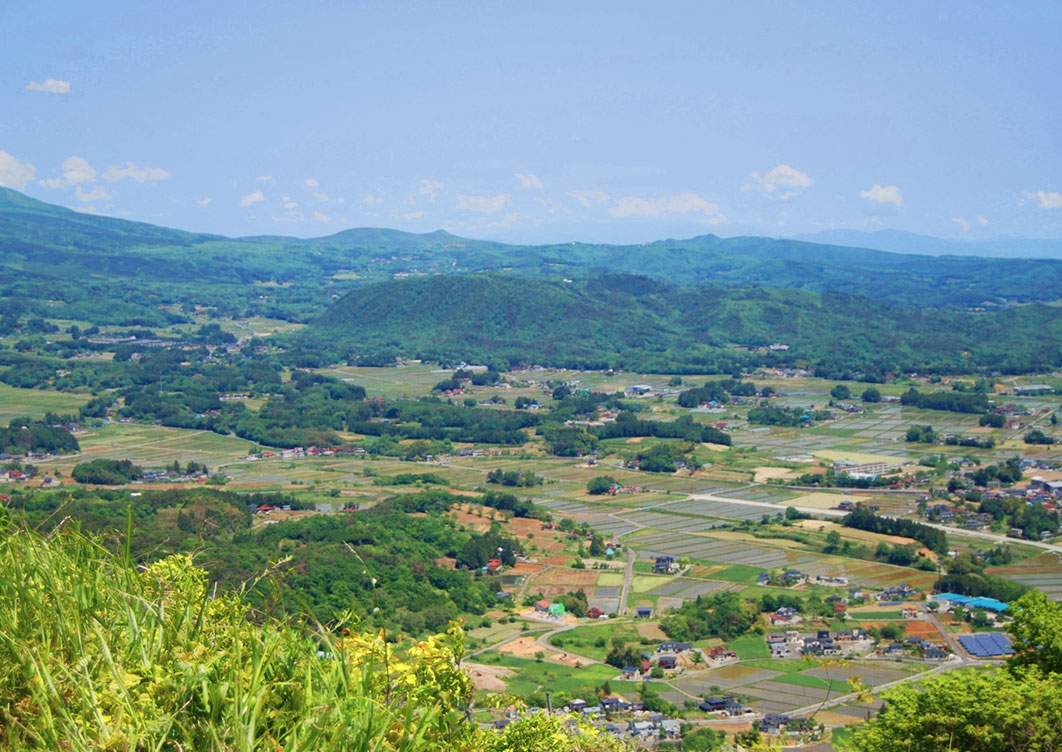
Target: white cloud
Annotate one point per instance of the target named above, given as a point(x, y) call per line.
point(635, 207)
point(587, 197)
point(13, 172)
point(889, 194)
point(682, 203)
point(290, 217)
point(312, 183)
point(291, 204)
point(114, 173)
point(322, 196)
point(204, 201)
point(98, 193)
point(78, 170)
point(431, 188)
point(266, 179)
point(484, 204)
point(530, 181)
point(52, 182)
point(371, 200)
point(961, 223)
point(323, 218)
point(552, 206)
point(52, 86)
point(982, 221)
point(782, 176)
point(252, 198)
point(1046, 200)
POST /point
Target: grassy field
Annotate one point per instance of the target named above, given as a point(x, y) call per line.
point(530, 676)
point(749, 647)
point(593, 641)
point(836, 686)
point(35, 403)
point(742, 574)
point(154, 446)
point(412, 380)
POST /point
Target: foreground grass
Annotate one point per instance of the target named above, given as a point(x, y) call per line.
point(98, 654)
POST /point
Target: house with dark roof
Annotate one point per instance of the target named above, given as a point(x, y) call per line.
point(667, 661)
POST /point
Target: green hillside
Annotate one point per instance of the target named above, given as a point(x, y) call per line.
point(63, 264)
point(636, 322)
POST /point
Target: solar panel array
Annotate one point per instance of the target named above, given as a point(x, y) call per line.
point(987, 645)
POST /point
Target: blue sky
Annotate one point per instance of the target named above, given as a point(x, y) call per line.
point(534, 122)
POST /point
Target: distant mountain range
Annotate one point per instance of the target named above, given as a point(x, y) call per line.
point(49, 253)
point(898, 241)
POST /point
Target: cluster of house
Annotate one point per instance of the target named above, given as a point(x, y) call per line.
point(307, 452)
point(665, 565)
point(550, 610)
point(793, 644)
point(643, 727)
point(867, 470)
point(726, 706)
point(1040, 491)
point(616, 488)
point(949, 515)
point(788, 578)
point(172, 476)
point(948, 602)
point(901, 592)
point(12, 476)
point(269, 509)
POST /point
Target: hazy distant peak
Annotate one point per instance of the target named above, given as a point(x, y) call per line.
point(899, 241)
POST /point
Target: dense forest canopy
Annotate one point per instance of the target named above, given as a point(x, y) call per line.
point(638, 324)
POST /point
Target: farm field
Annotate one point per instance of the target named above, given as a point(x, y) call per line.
point(35, 403)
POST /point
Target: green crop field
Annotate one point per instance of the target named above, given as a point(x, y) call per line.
point(750, 647)
point(411, 380)
point(34, 403)
point(836, 686)
point(584, 640)
point(742, 574)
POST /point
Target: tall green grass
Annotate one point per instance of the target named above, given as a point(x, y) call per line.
point(98, 654)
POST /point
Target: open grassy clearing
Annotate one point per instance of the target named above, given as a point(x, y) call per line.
point(530, 676)
point(594, 641)
point(414, 379)
point(15, 402)
point(749, 647)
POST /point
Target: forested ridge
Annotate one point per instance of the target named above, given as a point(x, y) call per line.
point(639, 323)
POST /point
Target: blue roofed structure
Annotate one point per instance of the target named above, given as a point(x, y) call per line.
point(990, 604)
point(987, 644)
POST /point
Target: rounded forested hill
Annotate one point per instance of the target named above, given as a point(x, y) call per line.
point(489, 313)
point(636, 322)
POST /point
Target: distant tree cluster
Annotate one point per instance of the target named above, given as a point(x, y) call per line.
point(517, 478)
point(107, 472)
point(956, 402)
point(864, 519)
point(27, 436)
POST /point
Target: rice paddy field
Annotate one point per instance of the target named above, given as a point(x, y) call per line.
point(783, 686)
